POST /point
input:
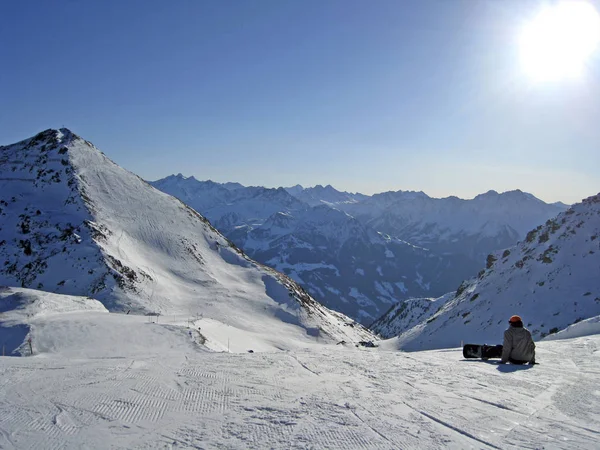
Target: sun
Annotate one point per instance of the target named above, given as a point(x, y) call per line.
point(560, 40)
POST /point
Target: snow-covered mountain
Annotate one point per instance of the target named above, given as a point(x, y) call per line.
point(551, 279)
point(328, 195)
point(75, 223)
point(347, 266)
point(229, 205)
point(294, 190)
point(360, 254)
point(408, 313)
point(476, 227)
point(343, 263)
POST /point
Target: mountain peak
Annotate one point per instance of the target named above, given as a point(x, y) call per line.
point(76, 223)
point(511, 196)
point(65, 133)
point(490, 193)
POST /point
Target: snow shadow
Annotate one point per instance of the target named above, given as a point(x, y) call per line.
point(286, 317)
point(279, 293)
point(288, 309)
point(506, 368)
point(230, 256)
point(12, 302)
point(12, 339)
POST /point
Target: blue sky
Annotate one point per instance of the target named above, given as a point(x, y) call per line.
point(366, 96)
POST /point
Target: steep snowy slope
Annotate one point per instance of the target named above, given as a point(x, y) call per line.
point(73, 222)
point(587, 327)
point(551, 279)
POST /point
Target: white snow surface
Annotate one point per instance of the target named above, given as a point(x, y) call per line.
point(95, 229)
point(585, 327)
point(114, 381)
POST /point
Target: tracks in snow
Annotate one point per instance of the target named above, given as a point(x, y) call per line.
point(328, 399)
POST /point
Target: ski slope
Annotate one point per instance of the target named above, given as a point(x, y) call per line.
point(105, 380)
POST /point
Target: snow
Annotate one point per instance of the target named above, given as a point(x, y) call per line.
point(586, 327)
point(384, 288)
point(103, 232)
point(361, 299)
point(550, 280)
point(407, 314)
point(67, 324)
point(401, 286)
point(394, 233)
point(417, 217)
point(308, 267)
point(327, 195)
point(231, 354)
point(419, 281)
point(106, 380)
point(333, 290)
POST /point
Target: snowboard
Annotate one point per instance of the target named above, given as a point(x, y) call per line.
point(482, 351)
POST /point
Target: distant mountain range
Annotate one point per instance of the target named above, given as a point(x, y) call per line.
point(360, 254)
point(551, 279)
point(73, 222)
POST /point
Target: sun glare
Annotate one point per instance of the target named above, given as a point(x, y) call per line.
point(560, 40)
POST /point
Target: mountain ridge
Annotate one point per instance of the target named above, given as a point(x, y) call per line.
point(550, 279)
point(402, 244)
point(76, 223)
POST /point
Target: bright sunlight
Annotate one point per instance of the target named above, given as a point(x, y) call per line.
point(560, 40)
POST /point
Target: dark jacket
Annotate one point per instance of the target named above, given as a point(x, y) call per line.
point(518, 345)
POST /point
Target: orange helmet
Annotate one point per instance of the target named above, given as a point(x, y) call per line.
point(515, 319)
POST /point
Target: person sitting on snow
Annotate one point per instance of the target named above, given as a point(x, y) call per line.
point(518, 347)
